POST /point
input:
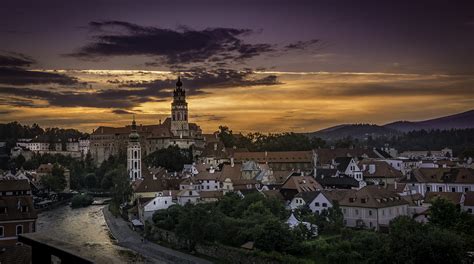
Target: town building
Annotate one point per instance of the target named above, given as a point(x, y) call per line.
point(424, 180)
point(17, 214)
point(372, 207)
point(174, 131)
point(379, 172)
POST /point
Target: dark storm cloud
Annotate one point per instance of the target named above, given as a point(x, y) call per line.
point(19, 76)
point(15, 60)
point(118, 38)
point(199, 78)
point(176, 47)
point(13, 72)
point(130, 94)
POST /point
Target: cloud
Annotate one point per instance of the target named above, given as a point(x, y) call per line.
point(198, 79)
point(182, 46)
point(130, 94)
point(13, 72)
point(121, 112)
point(19, 76)
point(15, 60)
point(179, 47)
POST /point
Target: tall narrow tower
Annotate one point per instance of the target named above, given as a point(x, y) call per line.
point(179, 112)
point(134, 155)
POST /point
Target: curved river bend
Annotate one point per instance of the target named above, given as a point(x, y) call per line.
point(85, 227)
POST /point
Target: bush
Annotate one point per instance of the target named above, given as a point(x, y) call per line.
point(81, 200)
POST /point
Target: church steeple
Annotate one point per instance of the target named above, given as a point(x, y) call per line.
point(179, 111)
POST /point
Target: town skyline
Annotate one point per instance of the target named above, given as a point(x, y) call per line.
point(356, 63)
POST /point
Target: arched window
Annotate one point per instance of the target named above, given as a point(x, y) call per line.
point(136, 154)
point(185, 117)
point(136, 165)
point(179, 116)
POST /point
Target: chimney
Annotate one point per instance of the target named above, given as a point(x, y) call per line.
point(232, 162)
point(215, 146)
point(395, 185)
point(211, 169)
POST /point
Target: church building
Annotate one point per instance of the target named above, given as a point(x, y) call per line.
point(174, 131)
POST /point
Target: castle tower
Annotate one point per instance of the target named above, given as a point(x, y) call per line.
point(134, 155)
point(179, 112)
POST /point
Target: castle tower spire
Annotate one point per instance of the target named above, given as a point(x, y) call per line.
point(134, 155)
point(179, 111)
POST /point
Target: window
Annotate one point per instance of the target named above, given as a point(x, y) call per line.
point(316, 204)
point(207, 187)
point(453, 189)
point(190, 192)
point(428, 188)
point(166, 202)
point(325, 205)
point(356, 211)
point(466, 189)
point(370, 213)
point(370, 223)
point(1, 231)
point(19, 230)
point(440, 189)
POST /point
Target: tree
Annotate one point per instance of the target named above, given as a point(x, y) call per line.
point(121, 189)
point(274, 236)
point(443, 213)
point(56, 180)
point(172, 158)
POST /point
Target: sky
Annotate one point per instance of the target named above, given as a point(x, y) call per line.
point(267, 66)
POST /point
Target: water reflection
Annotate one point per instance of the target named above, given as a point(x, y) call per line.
point(85, 227)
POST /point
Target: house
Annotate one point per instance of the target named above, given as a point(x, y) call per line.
point(153, 180)
point(453, 197)
point(423, 180)
point(348, 166)
point(210, 196)
point(293, 222)
point(378, 172)
point(332, 179)
point(208, 180)
point(298, 183)
point(404, 165)
point(372, 207)
point(17, 214)
point(316, 201)
point(278, 160)
point(214, 152)
point(325, 156)
point(149, 205)
point(188, 196)
point(431, 154)
point(468, 205)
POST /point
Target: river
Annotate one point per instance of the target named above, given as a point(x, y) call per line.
point(85, 227)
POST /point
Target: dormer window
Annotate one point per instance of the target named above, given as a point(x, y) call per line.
point(3, 210)
point(24, 208)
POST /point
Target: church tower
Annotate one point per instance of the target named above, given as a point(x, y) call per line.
point(134, 155)
point(179, 112)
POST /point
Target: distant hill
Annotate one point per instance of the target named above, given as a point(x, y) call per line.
point(363, 131)
point(457, 121)
point(359, 131)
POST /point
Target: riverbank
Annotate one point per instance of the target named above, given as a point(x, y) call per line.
point(129, 239)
